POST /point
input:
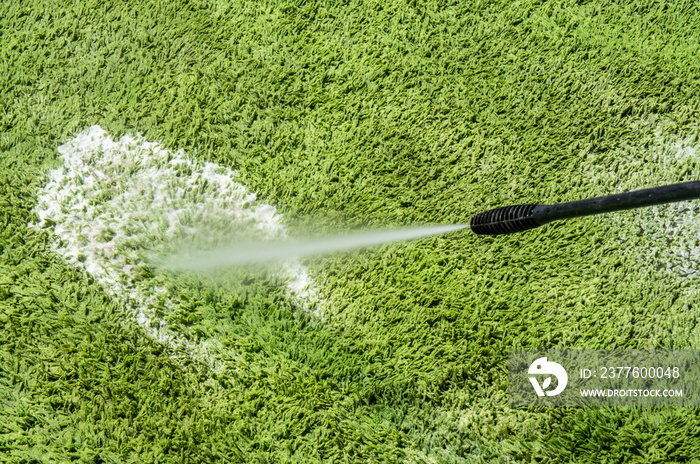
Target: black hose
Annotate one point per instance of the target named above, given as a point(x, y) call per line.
point(517, 218)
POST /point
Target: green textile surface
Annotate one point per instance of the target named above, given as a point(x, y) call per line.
point(357, 115)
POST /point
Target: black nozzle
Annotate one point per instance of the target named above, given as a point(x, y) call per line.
point(504, 220)
point(518, 218)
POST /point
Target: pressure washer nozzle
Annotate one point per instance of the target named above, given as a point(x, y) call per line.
point(504, 220)
point(518, 218)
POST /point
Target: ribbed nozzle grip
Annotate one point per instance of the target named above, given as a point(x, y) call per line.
point(504, 220)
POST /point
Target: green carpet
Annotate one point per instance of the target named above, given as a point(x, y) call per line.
point(354, 115)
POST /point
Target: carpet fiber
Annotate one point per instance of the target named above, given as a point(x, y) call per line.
point(337, 116)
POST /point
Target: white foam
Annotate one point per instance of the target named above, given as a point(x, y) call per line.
point(666, 236)
point(113, 201)
point(664, 240)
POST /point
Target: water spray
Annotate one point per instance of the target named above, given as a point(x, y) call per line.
point(518, 218)
point(265, 251)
